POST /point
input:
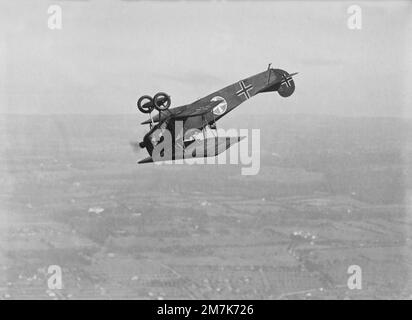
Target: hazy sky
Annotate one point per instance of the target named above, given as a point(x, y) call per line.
point(109, 52)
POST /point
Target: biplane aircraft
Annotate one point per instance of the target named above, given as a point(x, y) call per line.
point(202, 114)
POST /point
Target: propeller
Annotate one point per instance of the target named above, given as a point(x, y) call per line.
point(137, 146)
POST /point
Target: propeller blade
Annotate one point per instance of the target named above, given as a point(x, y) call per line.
point(136, 146)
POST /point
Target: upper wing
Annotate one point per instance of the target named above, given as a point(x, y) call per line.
point(196, 111)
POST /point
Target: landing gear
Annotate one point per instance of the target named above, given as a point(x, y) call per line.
point(145, 107)
point(212, 126)
point(146, 104)
point(161, 101)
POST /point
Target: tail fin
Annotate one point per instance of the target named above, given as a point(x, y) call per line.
point(286, 85)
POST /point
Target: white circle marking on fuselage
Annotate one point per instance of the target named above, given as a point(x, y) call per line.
point(221, 107)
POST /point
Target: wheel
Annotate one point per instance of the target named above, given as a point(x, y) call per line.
point(161, 101)
point(145, 107)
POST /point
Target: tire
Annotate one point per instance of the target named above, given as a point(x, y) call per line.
point(145, 107)
point(161, 101)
